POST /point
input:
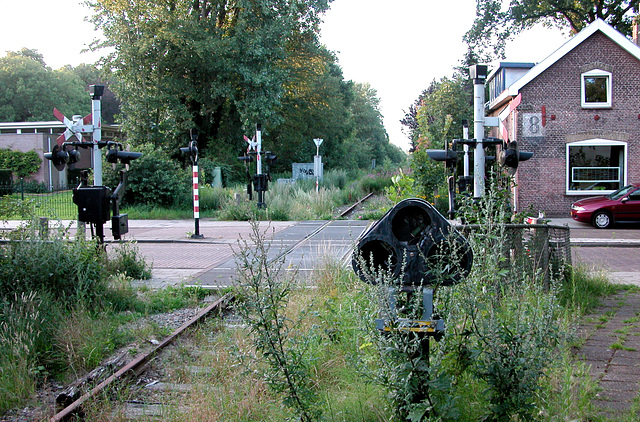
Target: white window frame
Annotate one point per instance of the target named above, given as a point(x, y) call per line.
point(595, 73)
point(598, 143)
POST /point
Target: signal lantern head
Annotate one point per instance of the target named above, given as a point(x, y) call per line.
point(270, 157)
point(74, 157)
point(510, 155)
point(415, 245)
point(450, 157)
point(59, 156)
point(116, 154)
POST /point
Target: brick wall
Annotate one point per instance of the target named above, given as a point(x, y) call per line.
point(542, 180)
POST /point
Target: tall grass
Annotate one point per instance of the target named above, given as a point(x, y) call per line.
point(286, 202)
point(57, 307)
point(20, 331)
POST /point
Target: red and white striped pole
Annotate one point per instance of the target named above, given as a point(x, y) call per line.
point(192, 150)
point(196, 204)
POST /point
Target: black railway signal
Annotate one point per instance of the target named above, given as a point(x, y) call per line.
point(59, 156)
point(74, 157)
point(449, 156)
point(117, 154)
point(510, 155)
point(415, 244)
point(192, 149)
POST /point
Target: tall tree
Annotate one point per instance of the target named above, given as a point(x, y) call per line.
point(217, 65)
point(494, 25)
point(314, 105)
point(92, 75)
point(29, 90)
point(369, 139)
point(435, 120)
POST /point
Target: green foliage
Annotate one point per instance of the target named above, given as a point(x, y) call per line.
point(73, 271)
point(264, 292)
point(337, 178)
point(290, 202)
point(126, 259)
point(29, 90)
point(183, 65)
point(222, 72)
point(22, 164)
point(429, 175)
point(213, 198)
point(439, 112)
point(402, 188)
point(494, 25)
point(581, 289)
point(11, 207)
point(20, 331)
point(505, 324)
point(153, 179)
point(375, 182)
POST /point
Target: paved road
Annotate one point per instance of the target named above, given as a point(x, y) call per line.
point(210, 261)
point(178, 258)
point(615, 251)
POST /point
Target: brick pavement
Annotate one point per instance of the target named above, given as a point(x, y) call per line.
point(611, 334)
point(611, 350)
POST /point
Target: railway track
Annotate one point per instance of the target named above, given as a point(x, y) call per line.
point(356, 205)
point(141, 363)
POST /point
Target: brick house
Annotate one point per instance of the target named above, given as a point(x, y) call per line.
point(578, 111)
point(41, 137)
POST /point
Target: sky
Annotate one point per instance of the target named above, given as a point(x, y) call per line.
point(397, 47)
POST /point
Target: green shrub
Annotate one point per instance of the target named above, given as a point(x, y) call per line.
point(153, 179)
point(125, 259)
point(21, 163)
point(264, 293)
point(582, 288)
point(375, 183)
point(20, 332)
point(335, 179)
point(73, 271)
point(238, 210)
point(214, 198)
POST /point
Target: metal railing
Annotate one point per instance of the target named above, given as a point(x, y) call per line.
point(536, 248)
point(42, 201)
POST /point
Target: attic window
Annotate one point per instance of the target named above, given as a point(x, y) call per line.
point(596, 89)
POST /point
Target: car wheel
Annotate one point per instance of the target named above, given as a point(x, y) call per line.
point(602, 220)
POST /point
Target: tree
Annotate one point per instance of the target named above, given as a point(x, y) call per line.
point(436, 119)
point(29, 90)
point(90, 74)
point(314, 105)
point(369, 139)
point(215, 65)
point(493, 26)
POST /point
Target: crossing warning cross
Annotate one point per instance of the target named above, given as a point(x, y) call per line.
point(76, 127)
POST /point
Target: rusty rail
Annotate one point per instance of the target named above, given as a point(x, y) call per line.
point(135, 366)
point(353, 207)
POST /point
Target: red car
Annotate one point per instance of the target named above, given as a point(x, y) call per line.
point(603, 211)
